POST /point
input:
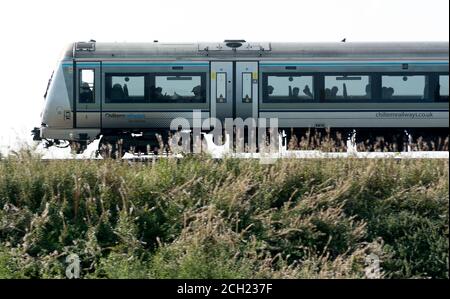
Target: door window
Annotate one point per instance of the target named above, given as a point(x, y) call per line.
point(86, 86)
point(221, 87)
point(246, 87)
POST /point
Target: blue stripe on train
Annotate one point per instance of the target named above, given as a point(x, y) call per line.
point(117, 64)
point(106, 64)
point(354, 63)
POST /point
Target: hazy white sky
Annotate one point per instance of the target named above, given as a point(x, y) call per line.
point(32, 33)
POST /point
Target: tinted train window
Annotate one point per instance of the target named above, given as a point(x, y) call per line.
point(178, 88)
point(443, 88)
point(86, 85)
point(403, 87)
point(288, 88)
point(347, 87)
point(125, 88)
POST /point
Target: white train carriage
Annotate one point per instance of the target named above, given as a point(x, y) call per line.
point(117, 90)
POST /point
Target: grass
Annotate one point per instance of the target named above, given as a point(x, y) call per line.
point(201, 218)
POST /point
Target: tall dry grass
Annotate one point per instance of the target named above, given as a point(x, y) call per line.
point(204, 218)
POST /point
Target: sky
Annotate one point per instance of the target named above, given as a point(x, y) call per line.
point(33, 33)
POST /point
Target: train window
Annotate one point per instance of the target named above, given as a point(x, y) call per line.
point(288, 88)
point(125, 88)
point(180, 88)
point(86, 85)
point(442, 89)
point(347, 87)
point(404, 87)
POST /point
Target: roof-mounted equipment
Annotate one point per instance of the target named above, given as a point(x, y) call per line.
point(234, 43)
point(85, 46)
point(239, 46)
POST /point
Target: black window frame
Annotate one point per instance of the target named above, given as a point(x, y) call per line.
point(108, 84)
point(203, 85)
point(431, 76)
point(80, 70)
point(373, 81)
point(265, 84)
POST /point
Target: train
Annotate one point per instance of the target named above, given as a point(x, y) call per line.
point(131, 92)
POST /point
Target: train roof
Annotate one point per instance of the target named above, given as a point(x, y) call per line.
point(236, 49)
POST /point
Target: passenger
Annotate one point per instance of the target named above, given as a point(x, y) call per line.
point(308, 92)
point(295, 92)
point(390, 93)
point(86, 94)
point(117, 92)
point(334, 92)
point(269, 89)
point(125, 90)
point(197, 91)
point(158, 93)
point(327, 93)
point(368, 91)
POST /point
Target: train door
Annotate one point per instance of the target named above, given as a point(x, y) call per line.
point(234, 90)
point(87, 103)
point(222, 90)
point(246, 90)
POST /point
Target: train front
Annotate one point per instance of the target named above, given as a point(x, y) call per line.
point(57, 115)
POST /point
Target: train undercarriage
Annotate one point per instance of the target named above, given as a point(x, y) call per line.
point(115, 143)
